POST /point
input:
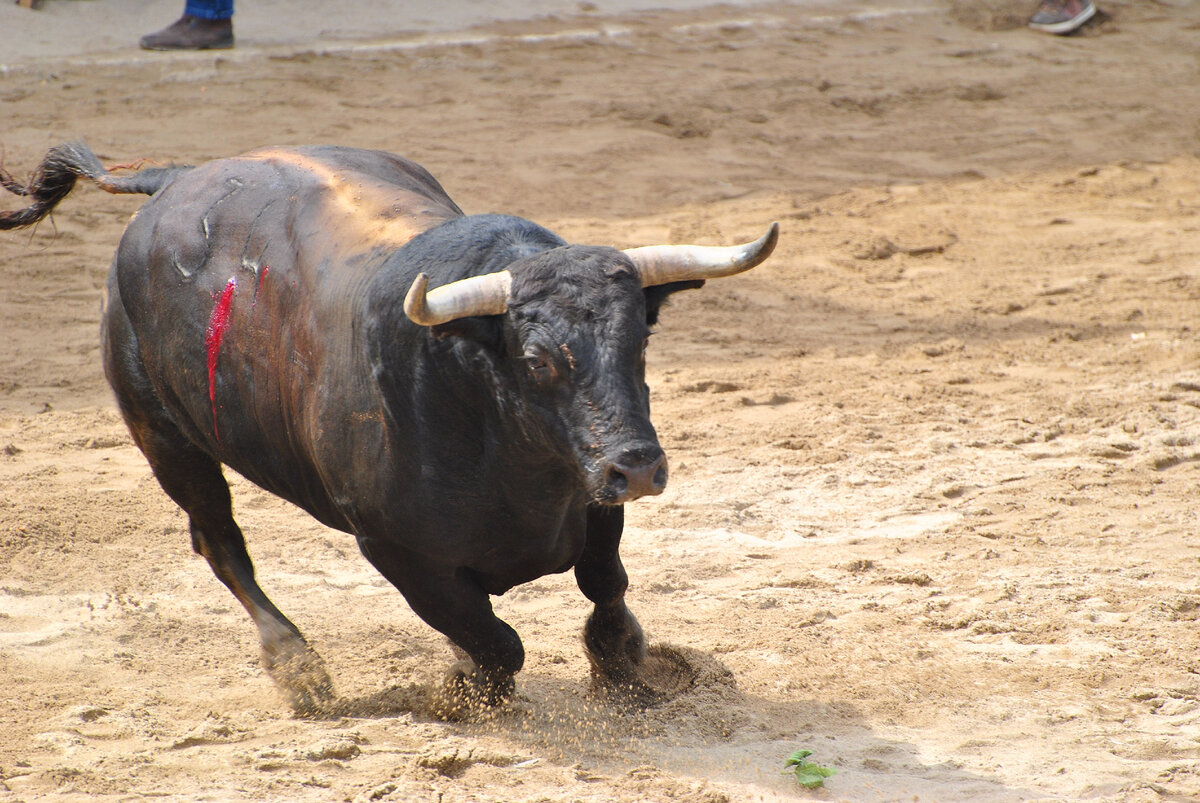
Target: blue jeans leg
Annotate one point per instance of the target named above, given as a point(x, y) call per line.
point(209, 9)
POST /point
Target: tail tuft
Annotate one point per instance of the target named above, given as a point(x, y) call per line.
point(55, 177)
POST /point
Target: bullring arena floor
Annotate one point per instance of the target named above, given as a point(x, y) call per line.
point(932, 512)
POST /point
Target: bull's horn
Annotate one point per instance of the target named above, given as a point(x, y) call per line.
point(663, 264)
point(478, 295)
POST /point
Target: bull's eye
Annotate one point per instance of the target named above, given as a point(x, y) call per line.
point(540, 367)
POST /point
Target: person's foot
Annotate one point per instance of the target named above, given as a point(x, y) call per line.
point(191, 33)
point(1062, 16)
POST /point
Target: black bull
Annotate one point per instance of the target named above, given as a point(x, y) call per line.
point(271, 312)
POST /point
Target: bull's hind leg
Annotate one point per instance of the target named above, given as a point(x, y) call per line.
point(194, 480)
point(612, 636)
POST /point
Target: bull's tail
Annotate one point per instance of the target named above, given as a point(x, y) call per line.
point(56, 175)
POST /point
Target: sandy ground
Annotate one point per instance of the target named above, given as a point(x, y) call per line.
point(934, 466)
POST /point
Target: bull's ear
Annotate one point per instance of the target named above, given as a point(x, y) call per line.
point(481, 329)
point(657, 295)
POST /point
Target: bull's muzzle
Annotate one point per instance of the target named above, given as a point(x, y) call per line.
point(637, 472)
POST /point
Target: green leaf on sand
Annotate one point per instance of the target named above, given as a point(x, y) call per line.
point(808, 774)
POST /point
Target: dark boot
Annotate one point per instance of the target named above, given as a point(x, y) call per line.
point(191, 33)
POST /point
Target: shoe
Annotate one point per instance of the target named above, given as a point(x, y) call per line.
point(1062, 16)
point(191, 33)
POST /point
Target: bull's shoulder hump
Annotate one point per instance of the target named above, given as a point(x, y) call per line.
point(375, 195)
point(338, 167)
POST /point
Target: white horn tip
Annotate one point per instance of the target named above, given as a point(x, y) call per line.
point(763, 246)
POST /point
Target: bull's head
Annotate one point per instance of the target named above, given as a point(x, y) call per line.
point(575, 324)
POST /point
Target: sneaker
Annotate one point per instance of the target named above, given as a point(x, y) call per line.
point(1062, 16)
point(191, 33)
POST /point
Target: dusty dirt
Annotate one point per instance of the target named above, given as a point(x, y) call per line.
point(933, 503)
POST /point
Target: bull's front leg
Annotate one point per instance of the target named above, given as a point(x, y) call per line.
point(451, 602)
point(612, 636)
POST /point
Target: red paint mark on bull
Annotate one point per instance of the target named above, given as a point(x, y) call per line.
point(262, 274)
point(218, 323)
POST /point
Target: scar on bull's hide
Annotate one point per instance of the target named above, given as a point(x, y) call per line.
point(249, 264)
point(236, 185)
point(218, 323)
point(184, 272)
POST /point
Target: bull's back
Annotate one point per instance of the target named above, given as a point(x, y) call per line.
point(245, 281)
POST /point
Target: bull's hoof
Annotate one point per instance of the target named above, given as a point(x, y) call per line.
point(615, 647)
point(301, 675)
point(466, 693)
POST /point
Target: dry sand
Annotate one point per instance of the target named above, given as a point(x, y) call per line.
point(933, 502)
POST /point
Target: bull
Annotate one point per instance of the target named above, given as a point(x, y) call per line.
point(464, 394)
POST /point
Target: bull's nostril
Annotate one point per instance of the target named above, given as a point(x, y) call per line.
point(617, 481)
point(660, 477)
